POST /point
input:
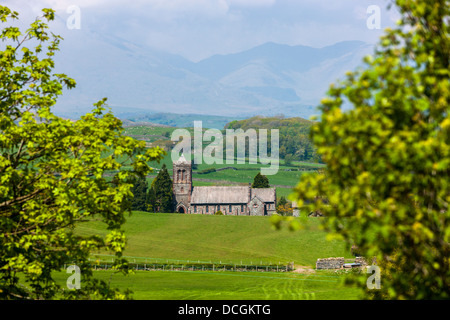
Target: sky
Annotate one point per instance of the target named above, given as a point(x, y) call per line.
point(197, 29)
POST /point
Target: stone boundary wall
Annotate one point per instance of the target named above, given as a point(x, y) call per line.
point(330, 263)
point(338, 263)
point(361, 260)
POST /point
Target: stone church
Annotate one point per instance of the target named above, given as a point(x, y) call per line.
point(232, 200)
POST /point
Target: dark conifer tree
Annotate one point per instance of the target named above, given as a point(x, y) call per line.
point(260, 181)
point(162, 193)
point(139, 190)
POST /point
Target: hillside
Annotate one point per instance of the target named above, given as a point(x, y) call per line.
point(295, 143)
point(249, 239)
point(267, 79)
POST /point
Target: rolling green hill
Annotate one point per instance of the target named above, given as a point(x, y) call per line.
point(295, 143)
point(246, 239)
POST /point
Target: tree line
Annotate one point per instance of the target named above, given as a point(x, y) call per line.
point(295, 143)
point(156, 198)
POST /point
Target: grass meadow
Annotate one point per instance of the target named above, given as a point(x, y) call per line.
point(231, 239)
point(181, 238)
point(167, 237)
point(198, 285)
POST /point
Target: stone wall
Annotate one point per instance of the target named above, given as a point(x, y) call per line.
point(256, 207)
point(361, 260)
point(330, 263)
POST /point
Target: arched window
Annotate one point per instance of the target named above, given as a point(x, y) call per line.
point(183, 175)
point(178, 174)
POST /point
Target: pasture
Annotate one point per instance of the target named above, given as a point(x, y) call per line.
point(234, 239)
point(169, 237)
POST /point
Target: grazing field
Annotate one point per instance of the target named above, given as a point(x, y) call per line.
point(284, 180)
point(167, 237)
point(197, 285)
point(234, 239)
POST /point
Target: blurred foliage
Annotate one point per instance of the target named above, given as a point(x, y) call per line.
point(386, 188)
point(52, 173)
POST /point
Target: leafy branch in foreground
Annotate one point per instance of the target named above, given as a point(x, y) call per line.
point(52, 173)
point(387, 184)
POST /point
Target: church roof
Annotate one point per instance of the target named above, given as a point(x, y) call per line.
point(265, 194)
point(230, 194)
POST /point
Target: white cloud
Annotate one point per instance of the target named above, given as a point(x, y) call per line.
point(199, 28)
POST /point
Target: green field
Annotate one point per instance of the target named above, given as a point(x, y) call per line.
point(197, 285)
point(284, 180)
point(165, 238)
point(234, 239)
point(225, 239)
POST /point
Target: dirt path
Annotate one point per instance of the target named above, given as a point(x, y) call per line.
point(304, 270)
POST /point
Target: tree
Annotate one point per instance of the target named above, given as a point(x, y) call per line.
point(388, 157)
point(282, 201)
point(288, 159)
point(284, 208)
point(260, 181)
point(162, 192)
point(139, 191)
point(53, 173)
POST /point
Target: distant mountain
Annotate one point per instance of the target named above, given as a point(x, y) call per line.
point(266, 80)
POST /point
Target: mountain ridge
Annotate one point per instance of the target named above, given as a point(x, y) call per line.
point(264, 80)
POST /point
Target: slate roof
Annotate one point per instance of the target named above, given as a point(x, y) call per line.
point(230, 194)
point(265, 194)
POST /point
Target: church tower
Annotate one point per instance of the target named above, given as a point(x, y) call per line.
point(182, 184)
